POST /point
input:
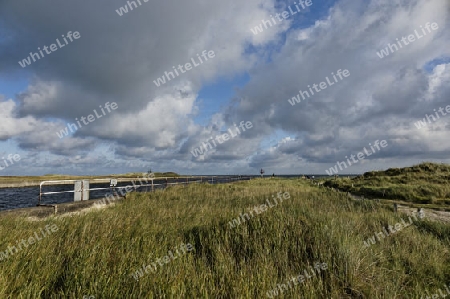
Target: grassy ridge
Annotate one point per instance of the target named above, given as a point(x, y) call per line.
point(426, 183)
point(51, 177)
point(96, 254)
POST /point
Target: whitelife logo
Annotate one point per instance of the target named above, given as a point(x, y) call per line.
point(124, 9)
point(199, 151)
point(411, 38)
point(322, 85)
point(73, 127)
point(259, 209)
point(27, 61)
point(398, 227)
point(16, 158)
point(436, 295)
point(360, 156)
point(30, 241)
point(160, 81)
point(291, 283)
point(184, 248)
point(285, 14)
point(423, 123)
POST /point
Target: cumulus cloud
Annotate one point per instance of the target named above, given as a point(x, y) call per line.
point(11, 125)
point(380, 100)
point(117, 59)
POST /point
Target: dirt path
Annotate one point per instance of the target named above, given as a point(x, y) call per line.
point(431, 214)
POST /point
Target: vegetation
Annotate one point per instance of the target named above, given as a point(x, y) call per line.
point(95, 254)
point(50, 177)
point(426, 183)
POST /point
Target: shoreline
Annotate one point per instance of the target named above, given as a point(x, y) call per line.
point(44, 211)
point(19, 185)
point(35, 181)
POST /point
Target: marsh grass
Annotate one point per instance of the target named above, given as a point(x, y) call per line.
point(96, 253)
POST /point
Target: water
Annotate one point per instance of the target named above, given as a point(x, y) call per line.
point(26, 197)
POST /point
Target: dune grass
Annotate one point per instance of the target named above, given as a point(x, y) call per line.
point(425, 183)
point(96, 253)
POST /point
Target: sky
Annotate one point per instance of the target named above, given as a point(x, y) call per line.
point(244, 85)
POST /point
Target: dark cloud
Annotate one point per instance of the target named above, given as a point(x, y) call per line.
point(118, 57)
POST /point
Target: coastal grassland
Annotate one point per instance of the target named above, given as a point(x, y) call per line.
point(425, 183)
point(97, 253)
point(35, 180)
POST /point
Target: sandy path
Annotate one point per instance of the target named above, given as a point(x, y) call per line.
point(431, 214)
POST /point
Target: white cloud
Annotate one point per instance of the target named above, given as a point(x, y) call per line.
point(10, 124)
point(117, 59)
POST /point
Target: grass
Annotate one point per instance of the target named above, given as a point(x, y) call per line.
point(426, 183)
point(96, 253)
point(51, 177)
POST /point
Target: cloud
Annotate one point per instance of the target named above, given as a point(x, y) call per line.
point(10, 124)
point(117, 58)
point(380, 99)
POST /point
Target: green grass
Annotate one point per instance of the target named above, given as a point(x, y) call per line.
point(426, 183)
point(96, 253)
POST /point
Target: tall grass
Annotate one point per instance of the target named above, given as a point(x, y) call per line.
point(97, 253)
point(425, 183)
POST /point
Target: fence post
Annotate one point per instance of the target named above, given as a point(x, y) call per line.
point(40, 193)
point(86, 190)
point(420, 213)
point(78, 191)
point(152, 186)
